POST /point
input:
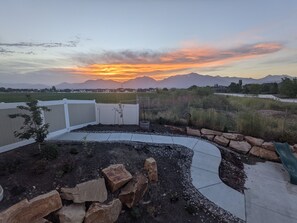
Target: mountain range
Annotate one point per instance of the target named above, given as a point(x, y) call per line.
point(178, 81)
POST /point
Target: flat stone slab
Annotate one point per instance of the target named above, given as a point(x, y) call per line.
point(120, 137)
point(206, 162)
point(255, 213)
point(101, 137)
point(269, 190)
point(207, 148)
point(141, 138)
point(226, 197)
point(185, 141)
point(203, 178)
point(72, 136)
point(162, 139)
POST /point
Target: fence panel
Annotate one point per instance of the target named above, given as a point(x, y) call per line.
point(118, 114)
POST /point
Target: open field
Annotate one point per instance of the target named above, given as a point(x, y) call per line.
point(266, 118)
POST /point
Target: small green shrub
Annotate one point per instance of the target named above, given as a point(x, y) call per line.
point(135, 212)
point(39, 167)
point(73, 151)
point(50, 152)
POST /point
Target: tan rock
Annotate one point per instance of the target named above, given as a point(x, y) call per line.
point(193, 132)
point(174, 128)
point(210, 132)
point(93, 190)
point(221, 140)
point(116, 176)
point(240, 146)
point(268, 146)
point(264, 153)
point(42, 220)
point(101, 213)
point(133, 192)
point(254, 141)
point(208, 137)
point(33, 210)
point(233, 136)
point(150, 165)
point(74, 213)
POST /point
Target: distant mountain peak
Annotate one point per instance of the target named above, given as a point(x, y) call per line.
point(177, 81)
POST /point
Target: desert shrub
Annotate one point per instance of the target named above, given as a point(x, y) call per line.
point(39, 167)
point(210, 118)
point(50, 152)
point(135, 212)
point(67, 166)
point(73, 151)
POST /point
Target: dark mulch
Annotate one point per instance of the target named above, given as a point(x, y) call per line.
point(25, 174)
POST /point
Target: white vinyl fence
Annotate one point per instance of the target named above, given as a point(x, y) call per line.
point(64, 116)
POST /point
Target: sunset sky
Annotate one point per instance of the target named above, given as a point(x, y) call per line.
point(54, 41)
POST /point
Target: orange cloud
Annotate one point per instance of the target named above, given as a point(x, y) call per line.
point(124, 65)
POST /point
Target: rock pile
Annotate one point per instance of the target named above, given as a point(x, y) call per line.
point(240, 143)
point(133, 188)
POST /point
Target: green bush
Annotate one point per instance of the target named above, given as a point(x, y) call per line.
point(50, 151)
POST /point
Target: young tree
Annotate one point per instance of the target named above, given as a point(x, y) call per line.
point(33, 126)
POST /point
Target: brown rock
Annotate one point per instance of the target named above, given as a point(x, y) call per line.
point(295, 148)
point(193, 132)
point(74, 213)
point(264, 153)
point(254, 141)
point(240, 146)
point(268, 146)
point(233, 136)
point(221, 140)
point(208, 137)
point(133, 192)
point(101, 213)
point(42, 220)
point(33, 210)
point(150, 165)
point(210, 132)
point(93, 190)
point(116, 176)
point(174, 128)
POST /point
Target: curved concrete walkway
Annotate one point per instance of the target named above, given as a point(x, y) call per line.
point(204, 168)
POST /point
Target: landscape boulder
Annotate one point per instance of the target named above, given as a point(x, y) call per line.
point(295, 148)
point(193, 132)
point(221, 140)
point(116, 176)
point(133, 192)
point(42, 220)
point(93, 190)
point(240, 146)
point(233, 136)
point(74, 213)
point(264, 153)
point(150, 165)
point(254, 141)
point(104, 213)
point(208, 137)
point(210, 132)
point(268, 146)
point(32, 211)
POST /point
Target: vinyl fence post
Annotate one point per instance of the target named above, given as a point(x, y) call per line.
point(66, 112)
